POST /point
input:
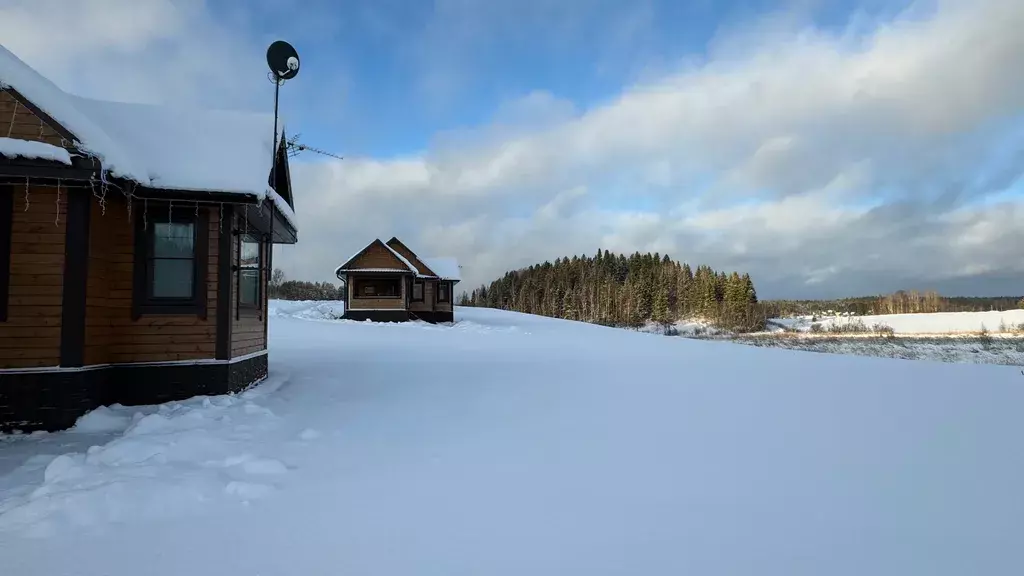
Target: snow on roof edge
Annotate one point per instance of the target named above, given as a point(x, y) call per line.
point(17, 148)
point(447, 268)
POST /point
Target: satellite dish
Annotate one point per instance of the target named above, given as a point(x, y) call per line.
point(283, 60)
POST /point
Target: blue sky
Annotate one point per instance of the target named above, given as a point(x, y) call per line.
point(415, 69)
point(828, 148)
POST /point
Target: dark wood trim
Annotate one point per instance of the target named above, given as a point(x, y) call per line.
point(54, 400)
point(161, 194)
point(44, 170)
point(76, 274)
point(225, 277)
point(50, 120)
point(196, 305)
point(6, 227)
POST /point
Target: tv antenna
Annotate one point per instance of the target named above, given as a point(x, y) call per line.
point(294, 147)
point(283, 61)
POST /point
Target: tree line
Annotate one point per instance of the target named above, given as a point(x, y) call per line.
point(619, 290)
point(900, 302)
point(279, 288)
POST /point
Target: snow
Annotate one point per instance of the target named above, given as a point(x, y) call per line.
point(931, 323)
point(167, 147)
point(514, 444)
point(14, 148)
point(445, 268)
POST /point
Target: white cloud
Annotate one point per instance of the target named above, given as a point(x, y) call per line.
point(820, 129)
point(843, 161)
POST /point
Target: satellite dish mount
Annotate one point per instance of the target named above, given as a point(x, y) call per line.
point(283, 61)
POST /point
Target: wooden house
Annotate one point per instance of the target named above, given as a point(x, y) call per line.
point(135, 245)
point(388, 282)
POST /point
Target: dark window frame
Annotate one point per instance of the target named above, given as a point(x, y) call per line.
point(358, 282)
point(6, 233)
point(143, 302)
point(423, 290)
point(448, 291)
point(257, 305)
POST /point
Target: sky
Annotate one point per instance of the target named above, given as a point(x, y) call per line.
point(827, 148)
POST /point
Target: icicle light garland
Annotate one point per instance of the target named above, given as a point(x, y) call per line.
point(145, 211)
point(56, 219)
point(170, 211)
point(26, 193)
point(220, 219)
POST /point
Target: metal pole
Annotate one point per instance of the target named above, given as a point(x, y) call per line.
point(273, 164)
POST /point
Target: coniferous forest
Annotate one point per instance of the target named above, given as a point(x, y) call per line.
point(618, 290)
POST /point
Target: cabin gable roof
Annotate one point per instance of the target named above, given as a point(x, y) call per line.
point(177, 148)
point(421, 267)
point(376, 257)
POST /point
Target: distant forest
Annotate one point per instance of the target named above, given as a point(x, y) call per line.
point(618, 290)
point(902, 302)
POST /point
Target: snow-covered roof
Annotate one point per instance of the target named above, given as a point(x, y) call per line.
point(409, 267)
point(14, 148)
point(402, 258)
point(445, 268)
point(169, 147)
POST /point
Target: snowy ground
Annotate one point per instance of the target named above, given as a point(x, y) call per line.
point(513, 444)
point(919, 324)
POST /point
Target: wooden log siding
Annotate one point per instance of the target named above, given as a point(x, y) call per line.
point(374, 303)
point(377, 256)
point(30, 337)
point(151, 338)
point(17, 121)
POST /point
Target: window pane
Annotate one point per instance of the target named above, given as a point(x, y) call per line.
point(248, 286)
point(250, 256)
point(417, 290)
point(173, 240)
point(172, 278)
point(375, 288)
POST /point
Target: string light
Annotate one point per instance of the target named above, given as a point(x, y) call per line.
point(26, 193)
point(220, 219)
point(145, 211)
point(56, 219)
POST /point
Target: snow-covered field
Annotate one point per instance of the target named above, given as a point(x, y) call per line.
point(514, 444)
point(919, 324)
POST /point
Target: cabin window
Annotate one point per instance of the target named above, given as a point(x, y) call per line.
point(6, 225)
point(377, 288)
point(417, 291)
point(170, 264)
point(442, 292)
point(250, 264)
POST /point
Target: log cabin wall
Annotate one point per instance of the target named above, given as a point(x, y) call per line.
point(30, 337)
point(152, 337)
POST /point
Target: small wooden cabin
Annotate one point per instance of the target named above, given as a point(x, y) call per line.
point(135, 245)
point(388, 282)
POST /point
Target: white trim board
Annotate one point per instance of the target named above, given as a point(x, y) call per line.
point(199, 361)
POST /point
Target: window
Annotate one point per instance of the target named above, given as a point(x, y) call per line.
point(250, 264)
point(377, 288)
point(442, 292)
point(417, 290)
point(6, 227)
point(170, 264)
